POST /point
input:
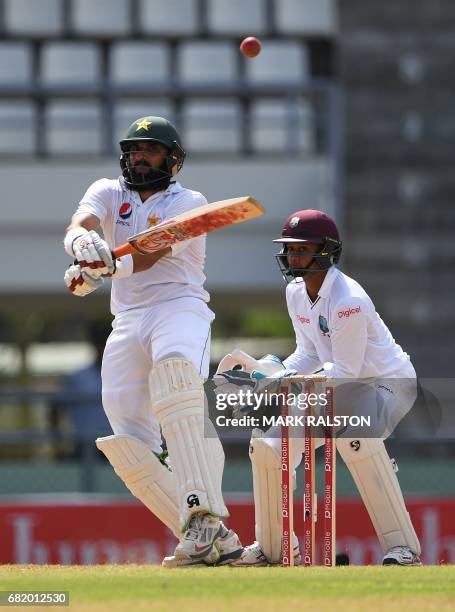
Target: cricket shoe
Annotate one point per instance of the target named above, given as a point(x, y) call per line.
point(401, 555)
point(253, 556)
point(229, 547)
point(197, 547)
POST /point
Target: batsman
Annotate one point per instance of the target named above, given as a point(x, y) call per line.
point(157, 355)
point(339, 335)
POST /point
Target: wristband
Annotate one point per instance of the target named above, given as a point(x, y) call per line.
point(123, 267)
point(71, 235)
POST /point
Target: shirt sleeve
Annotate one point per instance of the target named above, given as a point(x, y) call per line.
point(96, 200)
point(349, 335)
point(305, 358)
point(183, 205)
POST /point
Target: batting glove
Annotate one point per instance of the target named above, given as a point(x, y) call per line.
point(79, 282)
point(92, 253)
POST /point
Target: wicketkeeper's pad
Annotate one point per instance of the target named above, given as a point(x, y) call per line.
point(266, 465)
point(371, 468)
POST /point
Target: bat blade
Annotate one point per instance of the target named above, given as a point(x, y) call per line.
point(195, 222)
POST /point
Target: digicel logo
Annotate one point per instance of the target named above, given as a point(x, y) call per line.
point(303, 319)
point(347, 313)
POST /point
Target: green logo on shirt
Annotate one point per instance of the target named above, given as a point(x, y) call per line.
point(323, 326)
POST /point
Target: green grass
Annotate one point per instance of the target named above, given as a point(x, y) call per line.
point(138, 587)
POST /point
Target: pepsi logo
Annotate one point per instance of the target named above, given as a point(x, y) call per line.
point(125, 210)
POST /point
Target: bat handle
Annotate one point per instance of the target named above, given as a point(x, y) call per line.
point(124, 249)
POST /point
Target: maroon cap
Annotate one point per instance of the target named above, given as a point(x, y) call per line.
point(309, 226)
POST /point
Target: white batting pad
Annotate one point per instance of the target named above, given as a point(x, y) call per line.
point(246, 362)
point(373, 473)
point(266, 465)
point(196, 454)
point(144, 475)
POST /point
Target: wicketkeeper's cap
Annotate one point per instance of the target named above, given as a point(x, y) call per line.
point(309, 226)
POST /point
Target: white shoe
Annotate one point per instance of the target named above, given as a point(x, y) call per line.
point(197, 547)
point(253, 556)
point(401, 555)
point(229, 547)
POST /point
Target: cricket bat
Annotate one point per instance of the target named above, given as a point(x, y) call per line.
point(195, 222)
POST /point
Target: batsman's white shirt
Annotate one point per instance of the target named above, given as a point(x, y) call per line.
point(342, 327)
point(122, 214)
point(159, 312)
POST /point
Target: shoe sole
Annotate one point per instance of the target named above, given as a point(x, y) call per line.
point(395, 562)
point(190, 563)
point(196, 564)
point(193, 560)
point(229, 558)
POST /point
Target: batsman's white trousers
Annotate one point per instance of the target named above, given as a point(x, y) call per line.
point(139, 339)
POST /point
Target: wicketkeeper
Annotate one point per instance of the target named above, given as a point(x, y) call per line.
point(338, 334)
point(157, 356)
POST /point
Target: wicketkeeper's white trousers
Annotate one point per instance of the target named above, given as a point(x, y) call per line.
point(386, 402)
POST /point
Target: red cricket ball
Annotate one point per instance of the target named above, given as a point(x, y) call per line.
point(250, 47)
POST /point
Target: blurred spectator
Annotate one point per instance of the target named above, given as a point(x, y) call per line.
point(83, 411)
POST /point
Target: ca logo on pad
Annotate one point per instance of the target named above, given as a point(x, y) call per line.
point(193, 500)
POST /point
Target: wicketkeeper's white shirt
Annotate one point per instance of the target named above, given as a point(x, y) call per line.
point(122, 214)
point(342, 327)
